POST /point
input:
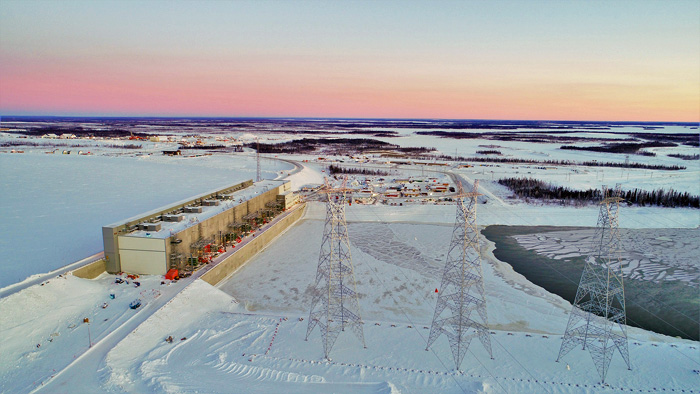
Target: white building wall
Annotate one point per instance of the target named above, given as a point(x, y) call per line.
point(142, 255)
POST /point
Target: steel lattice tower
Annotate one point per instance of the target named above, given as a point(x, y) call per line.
point(335, 305)
point(598, 319)
point(460, 312)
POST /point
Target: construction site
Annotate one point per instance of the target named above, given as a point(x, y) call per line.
point(385, 304)
point(189, 234)
point(346, 298)
point(375, 283)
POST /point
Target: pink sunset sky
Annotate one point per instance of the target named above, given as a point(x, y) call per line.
point(613, 60)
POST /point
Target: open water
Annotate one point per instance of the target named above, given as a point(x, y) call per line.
point(669, 308)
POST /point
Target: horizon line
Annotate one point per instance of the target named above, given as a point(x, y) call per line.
point(338, 118)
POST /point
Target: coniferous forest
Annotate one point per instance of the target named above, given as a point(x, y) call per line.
point(333, 169)
point(537, 189)
point(512, 160)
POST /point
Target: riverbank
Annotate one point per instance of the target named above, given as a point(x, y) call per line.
point(668, 307)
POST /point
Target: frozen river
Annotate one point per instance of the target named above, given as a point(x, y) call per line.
point(54, 206)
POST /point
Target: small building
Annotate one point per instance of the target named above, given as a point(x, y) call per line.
point(287, 199)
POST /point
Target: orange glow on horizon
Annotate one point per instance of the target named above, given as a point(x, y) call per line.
point(429, 65)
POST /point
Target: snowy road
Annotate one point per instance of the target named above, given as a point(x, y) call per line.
point(65, 380)
point(74, 379)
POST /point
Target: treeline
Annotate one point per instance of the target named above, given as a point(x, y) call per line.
point(537, 189)
point(316, 130)
point(80, 131)
point(690, 139)
point(310, 145)
point(125, 146)
point(489, 152)
point(522, 136)
point(684, 157)
point(625, 147)
point(202, 147)
point(553, 136)
point(7, 144)
point(510, 160)
point(339, 145)
point(42, 144)
point(333, 169)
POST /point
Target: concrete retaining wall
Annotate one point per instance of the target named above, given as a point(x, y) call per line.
point(92, 270)
point(236, 260)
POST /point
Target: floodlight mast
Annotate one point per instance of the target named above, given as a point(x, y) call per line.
point(258, 177)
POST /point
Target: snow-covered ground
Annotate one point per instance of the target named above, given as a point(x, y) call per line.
point(308, 175)
point(247, 336)
point(397, 268)
point(253, 340)
point(546, 151)
point(44, 329)
point(54, 206)
point(261, 353)
point(526, 215)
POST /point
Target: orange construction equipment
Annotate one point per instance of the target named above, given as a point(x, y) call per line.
point(172, 274)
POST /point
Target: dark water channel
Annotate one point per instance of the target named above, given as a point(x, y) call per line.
point(668, 307)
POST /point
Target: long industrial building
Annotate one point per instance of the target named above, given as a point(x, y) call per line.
point(176, 236)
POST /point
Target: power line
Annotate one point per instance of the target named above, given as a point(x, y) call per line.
point(633, 321)
point(404, 274)
point(520, 215)
point(513, 212)
point(335, 304)
point(477, 359)
point(415, 327)
point(598, 315)
point(462, 286)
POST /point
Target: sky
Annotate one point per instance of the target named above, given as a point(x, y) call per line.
point(540, 60)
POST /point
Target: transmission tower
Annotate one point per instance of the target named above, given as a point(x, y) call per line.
point(335, 305)
point(460, 312)
point(258, 178)
point(598, 319)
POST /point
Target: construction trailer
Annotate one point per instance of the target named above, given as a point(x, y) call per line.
point(171, 236)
